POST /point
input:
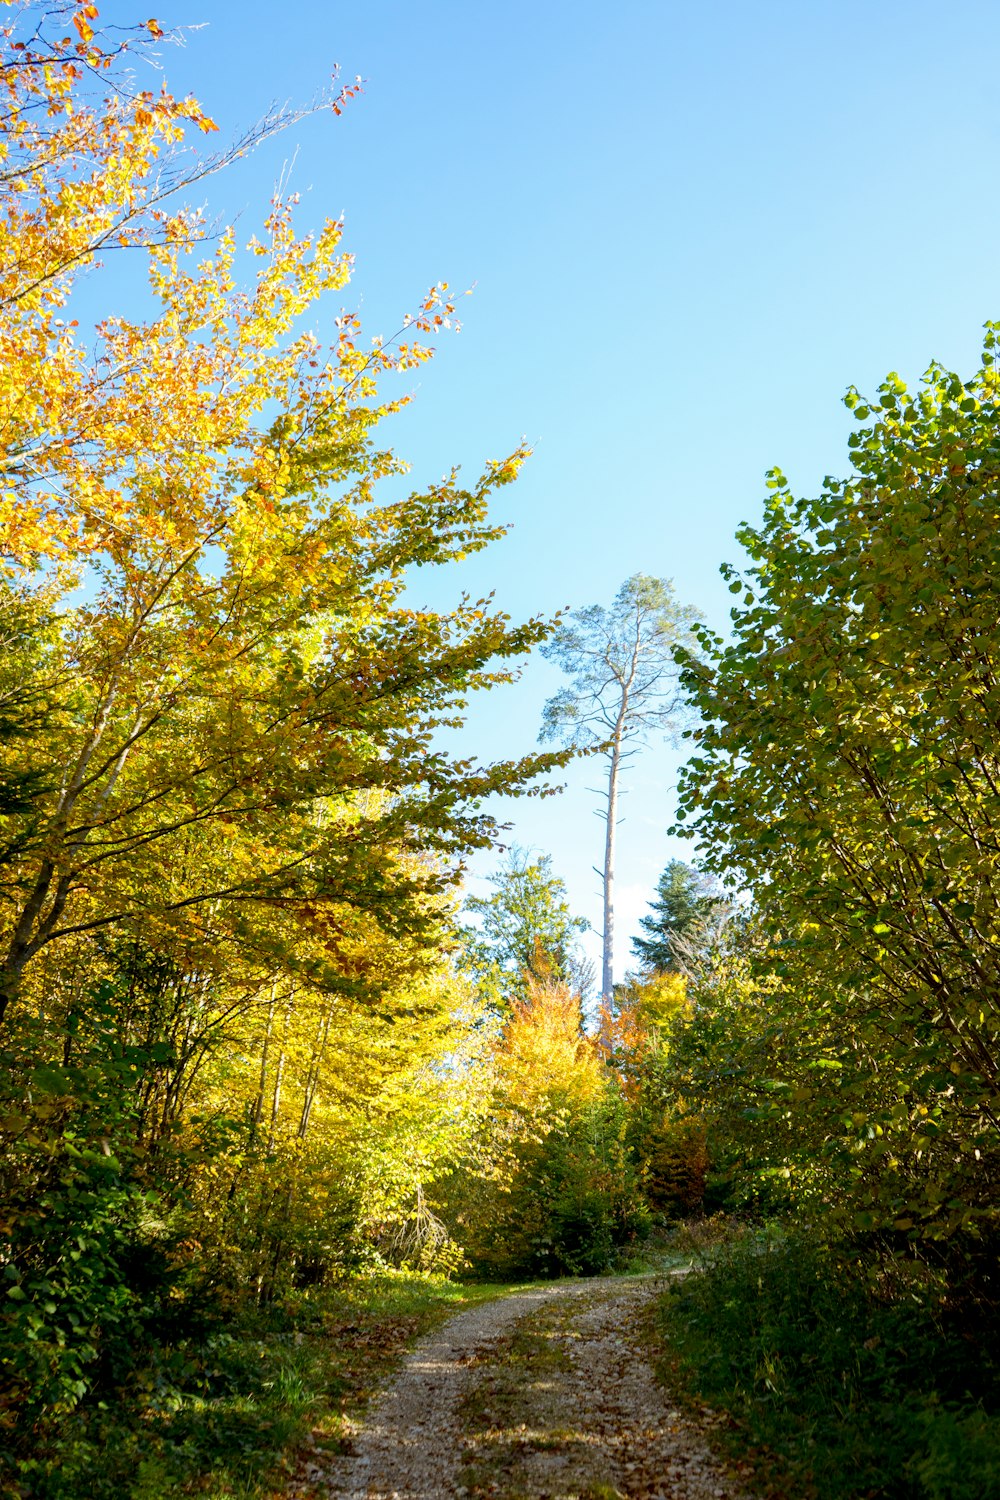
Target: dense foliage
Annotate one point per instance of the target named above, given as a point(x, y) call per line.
point(247, 1051)
point(847, 771)
point(234, 1056)
point(557, 1189)
point(838, 1388)
point(250, 1051)
point(841, 1045)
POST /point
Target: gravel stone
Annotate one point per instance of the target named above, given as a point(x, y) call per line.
point(616, 1430)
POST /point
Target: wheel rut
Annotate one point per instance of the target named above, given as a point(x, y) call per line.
point(546, 1394)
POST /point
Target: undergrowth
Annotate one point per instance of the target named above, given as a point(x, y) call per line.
point(235, 1408)
point(840, 1382)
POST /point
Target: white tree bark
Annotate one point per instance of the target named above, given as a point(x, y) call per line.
point(608, 965)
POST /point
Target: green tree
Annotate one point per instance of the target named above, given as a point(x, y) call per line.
point(847, 770)
point(686, 901)
point(524, 931)
point(623, 688)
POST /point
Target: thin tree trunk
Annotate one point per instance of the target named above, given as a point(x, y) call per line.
point(312, 1080)
point(276, 1100)
point(608, 968)
point(258, 1108)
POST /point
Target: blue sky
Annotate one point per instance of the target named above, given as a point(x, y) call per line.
point(690, 228)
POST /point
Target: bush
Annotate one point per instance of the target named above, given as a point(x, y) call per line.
point(89, 1281)
point(572, 1205)
point(856, 1380)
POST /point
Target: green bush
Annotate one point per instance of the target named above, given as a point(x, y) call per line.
point(856, 1380)
point(572, 1207)
point(88, 1281)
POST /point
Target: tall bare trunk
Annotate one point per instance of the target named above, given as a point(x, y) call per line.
point(608, 967)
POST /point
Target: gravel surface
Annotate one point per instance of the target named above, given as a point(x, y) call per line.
point(546, 1393)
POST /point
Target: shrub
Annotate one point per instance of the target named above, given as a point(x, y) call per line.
point(572, 1204)
point(856, 1382)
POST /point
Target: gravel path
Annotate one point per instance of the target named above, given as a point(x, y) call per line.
point(546, 1393)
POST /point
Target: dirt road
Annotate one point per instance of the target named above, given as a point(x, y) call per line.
point(543, 1395)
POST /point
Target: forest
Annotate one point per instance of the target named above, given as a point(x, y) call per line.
point(276, 1093)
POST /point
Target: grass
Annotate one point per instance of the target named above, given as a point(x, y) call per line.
point(238, 1412)
point(838, 1384)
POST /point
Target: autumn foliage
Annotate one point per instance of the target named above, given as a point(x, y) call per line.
point(550, 1187)
point(232, 1042)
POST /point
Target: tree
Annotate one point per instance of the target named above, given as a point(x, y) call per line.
point(847, 772)
point(623, 689)
point(226, 827)
point(525, 932)
point(89, 165)
point(240, 715)
point(686, 901)
point(551, 1190)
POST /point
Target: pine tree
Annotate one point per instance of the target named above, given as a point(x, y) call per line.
point(685, 902)
point(622, 691)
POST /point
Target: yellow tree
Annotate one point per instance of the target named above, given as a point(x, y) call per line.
point(225, 821)
point(343, 1116)
point(552, 1190)
point(241, 714)
point(666, 1129)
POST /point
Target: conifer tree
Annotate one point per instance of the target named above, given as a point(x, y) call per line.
point(623, 689)
point(685, 902)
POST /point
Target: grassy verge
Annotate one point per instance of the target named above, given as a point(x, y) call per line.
point(837, 1386)
point(246, 1407)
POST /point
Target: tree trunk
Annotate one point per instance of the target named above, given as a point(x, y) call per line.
point(258, 1108)
point(608, 967)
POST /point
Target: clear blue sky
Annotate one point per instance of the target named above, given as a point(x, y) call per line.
point(690, 226)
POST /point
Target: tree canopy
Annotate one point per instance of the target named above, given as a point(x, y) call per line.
point(241, 713)
point(234, 1049)
point(525, 932)
point(846, 771)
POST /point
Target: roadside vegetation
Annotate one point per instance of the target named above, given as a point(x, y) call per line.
point(241, 1404)
point(840, 1051)
point(844, 1373)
